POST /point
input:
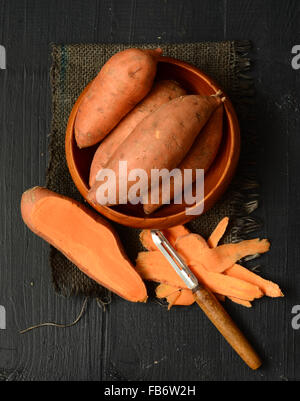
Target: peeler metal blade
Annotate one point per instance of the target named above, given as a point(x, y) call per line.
point(175, 260)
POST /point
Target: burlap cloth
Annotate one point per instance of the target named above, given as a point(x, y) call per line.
point(74, 66)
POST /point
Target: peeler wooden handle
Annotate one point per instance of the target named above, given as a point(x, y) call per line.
point(208, 303)
point(226, 326)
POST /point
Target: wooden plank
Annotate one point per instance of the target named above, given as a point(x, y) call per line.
point(273, 31)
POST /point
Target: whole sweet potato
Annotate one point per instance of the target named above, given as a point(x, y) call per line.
point(200, 156)
point(160, 141)
point(123, 81)
point(162, 92)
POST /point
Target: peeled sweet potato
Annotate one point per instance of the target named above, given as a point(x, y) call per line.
point(84, 238)
point(123, 81)
point(160, 141)
point(162, 92)
point(200, 156)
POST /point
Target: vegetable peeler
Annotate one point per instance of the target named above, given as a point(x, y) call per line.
point(208, 303)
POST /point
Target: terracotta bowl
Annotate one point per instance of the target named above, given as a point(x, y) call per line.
point(217, 178)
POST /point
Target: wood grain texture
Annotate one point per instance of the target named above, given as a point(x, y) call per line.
point(144, 342)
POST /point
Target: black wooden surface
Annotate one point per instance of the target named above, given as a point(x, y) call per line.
point(144, 342)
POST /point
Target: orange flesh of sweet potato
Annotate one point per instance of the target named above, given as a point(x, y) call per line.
point(212, 259)
point(213, 242)
point(183, 296)
point(189, 248)
point(187, 298)
point(172, 234)
point(237, 271)
point(221, 258)
point(164, 290)
point(168, 292)
point(268, 287)
point(233, 287)
point(160, 141)
point(242, 302)
point(85, 239)
point(172, 298)
point(200, 156)
point(153, 266)
point(161, 93)
point(123, 81)
point(191, 240)
point(218, 233)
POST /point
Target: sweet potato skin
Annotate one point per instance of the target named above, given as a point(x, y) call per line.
point(200, 156)
point(123, 81)
point(162, 139)
point(162, 92)
point(133, 290)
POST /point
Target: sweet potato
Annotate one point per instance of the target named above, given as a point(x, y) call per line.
point(223, 258)
point(162, 92)
point(220, 258)
point(196, 245)
point(123, 81)
point(268, 287)
point(84, 238)
point(168, 292)
point(174, 296)
point(153, 266)
point(181, 296)
point(200, 156)
point(185, 296)
point(160, 141)
point(218, 233)
point(242, 302)
point(172, 234)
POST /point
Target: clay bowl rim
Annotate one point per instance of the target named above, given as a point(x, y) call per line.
point(178, 217)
